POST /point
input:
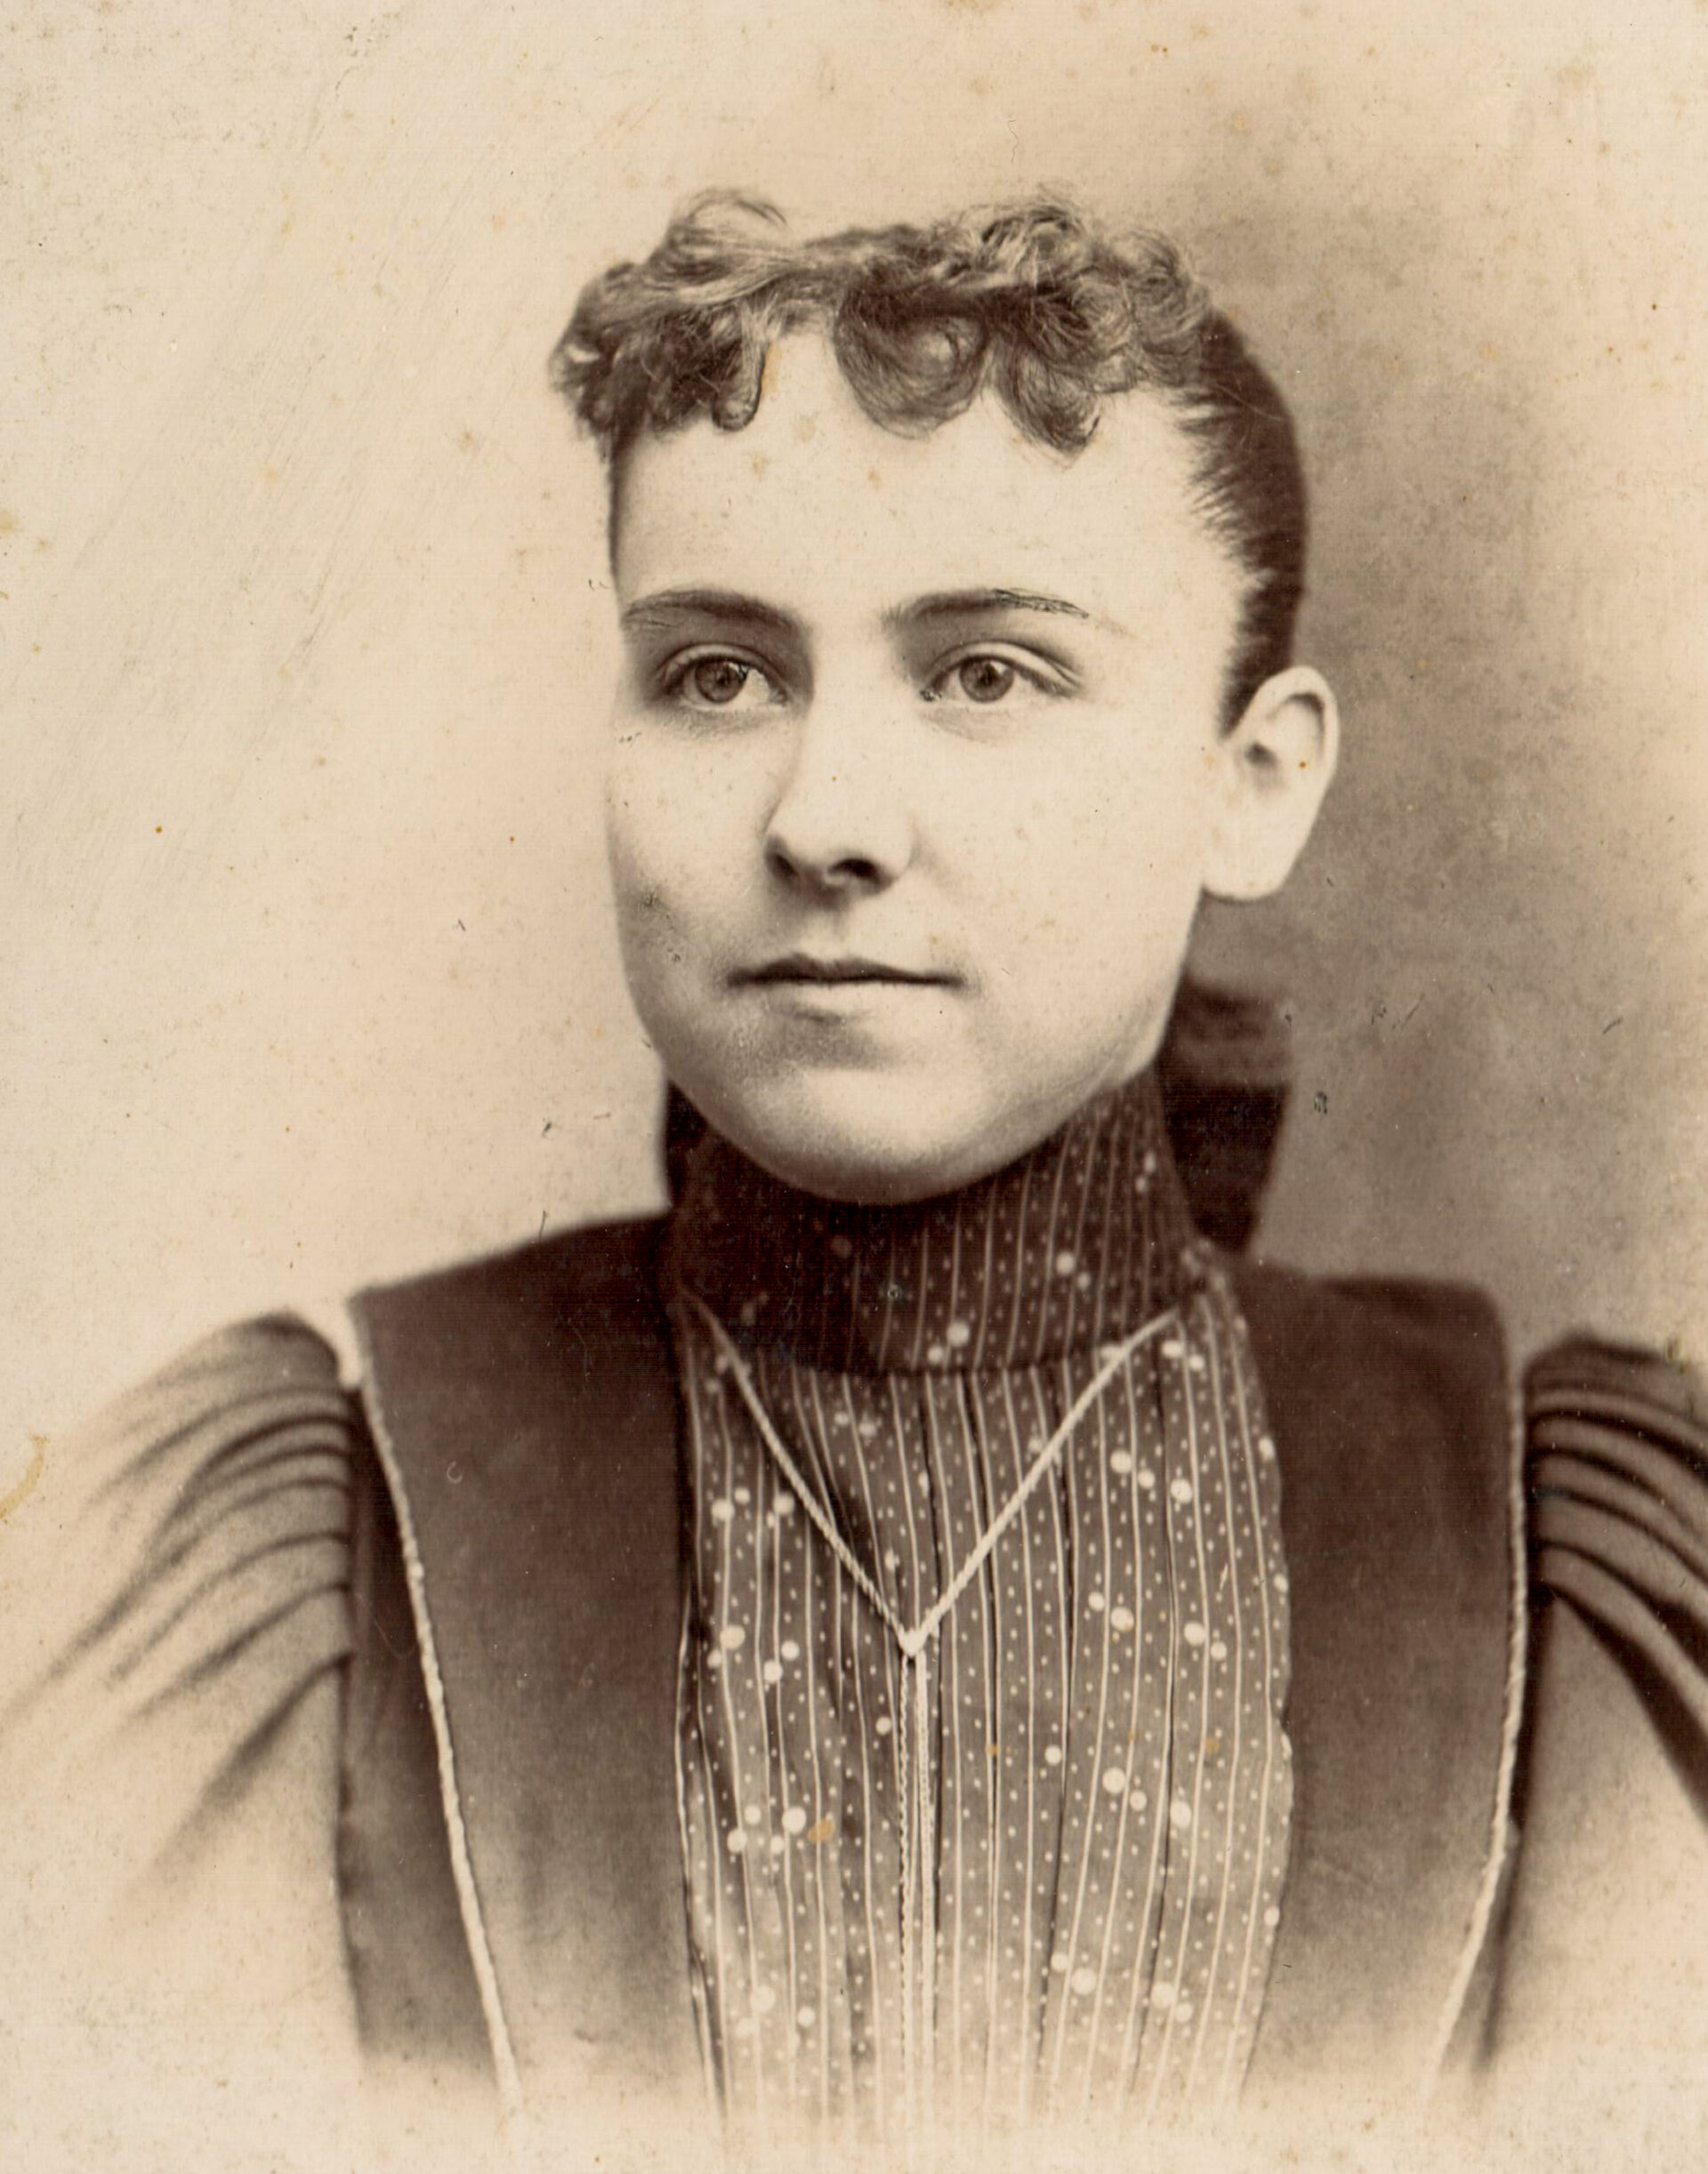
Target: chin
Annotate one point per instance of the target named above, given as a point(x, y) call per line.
point(858, 1143)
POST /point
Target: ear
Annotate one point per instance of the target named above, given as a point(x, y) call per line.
point(1274, 768)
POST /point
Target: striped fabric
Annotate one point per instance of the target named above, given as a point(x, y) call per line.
point(1102, 1745)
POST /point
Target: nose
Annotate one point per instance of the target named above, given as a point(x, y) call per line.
point(840, 822)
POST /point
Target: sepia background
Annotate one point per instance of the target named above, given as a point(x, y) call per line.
point(303, 627)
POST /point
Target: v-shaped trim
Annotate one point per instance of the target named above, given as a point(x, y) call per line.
point(528, 1415)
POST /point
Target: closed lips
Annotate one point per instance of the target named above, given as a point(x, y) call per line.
point(833, 970)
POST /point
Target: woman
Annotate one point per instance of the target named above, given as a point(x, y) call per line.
point(926, 1646)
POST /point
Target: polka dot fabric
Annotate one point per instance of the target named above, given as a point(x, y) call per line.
point(1104, 1739)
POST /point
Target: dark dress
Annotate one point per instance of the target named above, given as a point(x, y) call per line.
point(235, 1806)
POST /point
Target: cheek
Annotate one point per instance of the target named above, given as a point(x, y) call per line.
point(1091, 906)
point(658, 813)
point(630, 848)
point(1079, 856)
point(646, 869)
point(679, 849)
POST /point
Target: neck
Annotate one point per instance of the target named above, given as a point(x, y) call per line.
point(1077, 1242)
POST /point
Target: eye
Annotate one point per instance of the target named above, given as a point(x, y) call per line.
point(985, 678)
point(715, 681)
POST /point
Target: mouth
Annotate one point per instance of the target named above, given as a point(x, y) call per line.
point(800, 970)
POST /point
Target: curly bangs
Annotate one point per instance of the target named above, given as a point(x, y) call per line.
point(1031, 301)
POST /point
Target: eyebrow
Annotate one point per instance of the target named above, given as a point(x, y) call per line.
point(970, 603)
point(728, 604)
point(737, 609)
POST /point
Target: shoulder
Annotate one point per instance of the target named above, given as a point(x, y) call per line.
point(234, 1421)
point(274, 1368)
point(1387, 1391)
point(1617, 1478)
point(1616, 1472)
point(173, 1661)
point(1404, 1428)
point(497, 1362)
point(1604, 1976)
point(484, 1303)
point(170, 1725)
point(198, 1534)
point(1401, 1319)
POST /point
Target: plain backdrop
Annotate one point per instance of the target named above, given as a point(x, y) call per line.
point(304, 629)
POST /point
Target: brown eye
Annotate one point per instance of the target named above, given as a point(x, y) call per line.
point(984, 679)
point(717, 679)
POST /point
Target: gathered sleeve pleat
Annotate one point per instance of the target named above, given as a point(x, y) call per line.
point(1600, 2022)
point(170, 1709)
point(1618, 1483)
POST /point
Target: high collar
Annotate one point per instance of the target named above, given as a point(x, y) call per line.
point(1081, 1240)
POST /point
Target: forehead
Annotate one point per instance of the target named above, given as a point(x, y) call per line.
point(816, 506)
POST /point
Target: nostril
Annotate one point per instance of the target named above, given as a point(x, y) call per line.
point(854, 869)
point(838, 872)
point(836, 841)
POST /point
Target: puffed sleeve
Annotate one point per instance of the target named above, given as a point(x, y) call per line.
point(169, 1722)
point(1618, 1472)
point(1602, 2017)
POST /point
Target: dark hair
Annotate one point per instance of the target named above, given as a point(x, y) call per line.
point(1032, 300)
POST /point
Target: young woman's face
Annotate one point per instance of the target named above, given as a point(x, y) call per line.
point(917, 759)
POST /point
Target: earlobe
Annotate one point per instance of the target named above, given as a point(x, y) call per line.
point(1274, 768)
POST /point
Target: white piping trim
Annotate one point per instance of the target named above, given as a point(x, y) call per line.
point(474, 1928)
point(914, 1639)
point(1517, 1659)
point(695, 1972)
